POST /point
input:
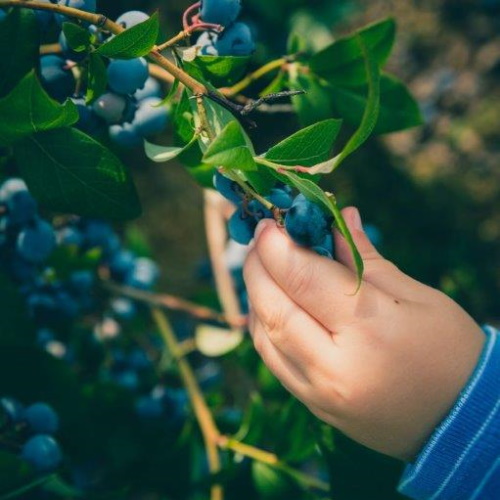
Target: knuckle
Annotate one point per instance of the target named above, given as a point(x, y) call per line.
point(274, 324)
point(300, 280)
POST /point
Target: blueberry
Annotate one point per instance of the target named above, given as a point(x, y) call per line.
point(123, 309)
point(88, 121)
point(127, 379)
point(42, 452)
point(41, 418)
point(99, 234)
point(86, 5)
point(206, 41)
point(306, 223)
point(132, 18)
point(110, 107)
point(151, 117)
point(81, 282)
point(12, 408)
point(144, 274)
point(241, 227)
point(121, 264)
point(126, 76)
point(325, 247)
point(36, 242)
point(70, 236)
point(57, 80)
point(138, 359)
point(11, 186)
point(152, 88)
point(44, 17)
point(22, 208)
point(149, 407)
point(228, 188)
point(125, 135)
point(3, 15)
point(236, 40)
point(222, 12)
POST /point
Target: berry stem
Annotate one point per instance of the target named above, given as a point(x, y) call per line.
point(187, 14)
point(205, 419)
point(174, 303)
point(252, 77)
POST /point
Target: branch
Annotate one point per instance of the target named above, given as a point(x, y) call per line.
point(174, 304)
point(208, 428)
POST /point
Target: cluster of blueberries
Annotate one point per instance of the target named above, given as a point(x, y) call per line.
point(26, 243)
point(131, 107)
point(35, 425)
point(305, 222)
point(236, 38)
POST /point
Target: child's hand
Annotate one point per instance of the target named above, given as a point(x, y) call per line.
point(384, 365)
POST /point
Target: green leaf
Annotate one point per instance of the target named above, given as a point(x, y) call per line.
point(160, 154)
point(136, 41)
point(18, 31)
point(219, 71)
point(79, 39)
point(68, 171)
point(230, 149)
point(272, 483)
point(315, 105)
point(398, 108)
point(97, 77)
point(369, 118)
point(252, 428)
point(308, 146)
point(16, 476)
point(342, 62)
point(29, 109)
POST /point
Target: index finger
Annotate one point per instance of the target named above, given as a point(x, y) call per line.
point(322, 287)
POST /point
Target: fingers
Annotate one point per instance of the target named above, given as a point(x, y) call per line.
point(323, 288)
point(292, 331)
point(378, 271)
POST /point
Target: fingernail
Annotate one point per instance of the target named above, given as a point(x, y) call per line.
point(356, 220)
point(260, 227)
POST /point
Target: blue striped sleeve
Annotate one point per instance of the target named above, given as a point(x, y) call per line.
point(461, 460)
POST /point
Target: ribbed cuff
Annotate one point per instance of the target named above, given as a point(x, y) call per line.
point(461, 459)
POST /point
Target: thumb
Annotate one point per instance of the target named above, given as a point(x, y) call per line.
point(377, 270)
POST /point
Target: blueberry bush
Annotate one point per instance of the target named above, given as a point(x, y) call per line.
point(110, 388)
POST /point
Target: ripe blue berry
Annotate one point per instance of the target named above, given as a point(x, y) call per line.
point(149, 407)
point(144, 274)
point(132, 18)
point(126, 76)
point(241, 226)
point(42, 452)
point(121, 264)
point(305, 222)
point(123, 309)
point(41, 418)
point(373, 233)
point(43, 17)
point(88, 121)
point(152, 88)
point(151, 117)
point(36, 242)
point(12, 408)
point(22, 208)
point(110, 107)
point(222, 12)
point(3, 15)
point(125, 135)
point(57, 80)
point(86, 5)
point(236, 40)
point(228, 188)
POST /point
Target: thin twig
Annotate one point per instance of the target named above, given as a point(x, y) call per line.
point(174, 303)
point(204, 417)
